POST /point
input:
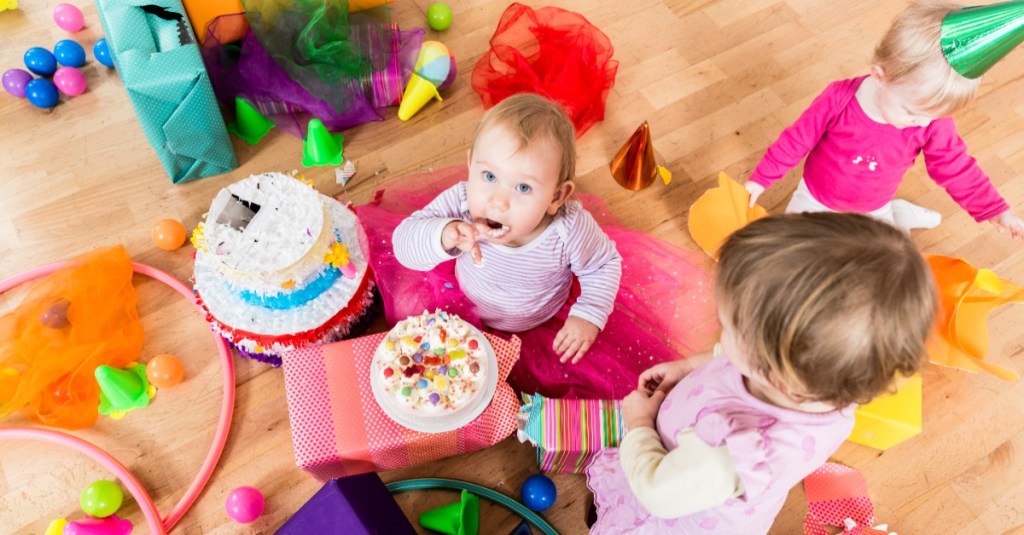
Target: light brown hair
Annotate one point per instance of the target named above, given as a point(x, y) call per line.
point(911, 51)
point(835, 304)
point(530, 117)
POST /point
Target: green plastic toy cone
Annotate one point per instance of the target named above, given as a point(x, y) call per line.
point(321, 147)
point(122, 390)
point(976, 38)
point(249, 124)
point(459, 518)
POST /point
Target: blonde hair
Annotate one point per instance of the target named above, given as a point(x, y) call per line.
point(832, 305)
point(530, 117)
point(911, 50)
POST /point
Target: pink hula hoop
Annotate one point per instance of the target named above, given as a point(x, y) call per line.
point(136, 489)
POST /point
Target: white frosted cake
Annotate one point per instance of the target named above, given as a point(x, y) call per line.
point(279, 266)
point(434, 369)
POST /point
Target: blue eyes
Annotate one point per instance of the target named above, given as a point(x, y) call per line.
point(520, 188)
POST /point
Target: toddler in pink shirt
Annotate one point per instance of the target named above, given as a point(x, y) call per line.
point(860, 136)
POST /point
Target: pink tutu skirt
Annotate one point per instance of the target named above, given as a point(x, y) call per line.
point(618, 511)
point(664, 309)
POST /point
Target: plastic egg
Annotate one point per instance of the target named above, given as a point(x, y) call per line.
point(245, 504)
point(69, 53)
point(164, 370)
point(42, 93)
point(101, 51)
point(168, 234)
point(70, 81)
point(439, 16)
point(40, 61)
point(539, 492)
point(68, 17)
point(101, 498)
point(15, 80)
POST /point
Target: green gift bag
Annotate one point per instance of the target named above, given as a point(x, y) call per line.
point(157, 57)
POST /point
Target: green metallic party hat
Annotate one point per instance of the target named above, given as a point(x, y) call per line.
point(975, 38)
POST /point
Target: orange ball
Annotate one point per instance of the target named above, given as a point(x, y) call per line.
point(164, 370)
point(169, 234)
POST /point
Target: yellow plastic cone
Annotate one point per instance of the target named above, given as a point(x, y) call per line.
point(417, 94)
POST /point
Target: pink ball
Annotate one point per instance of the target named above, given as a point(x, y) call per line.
point(70, 81)
point(68, 17)
point(245, 504)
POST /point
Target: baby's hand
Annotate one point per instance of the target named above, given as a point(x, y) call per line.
point(640, 409)
point(755, 190)
point(662, 377)
point(575, 338)
point(1008, 221)
point(463, 236)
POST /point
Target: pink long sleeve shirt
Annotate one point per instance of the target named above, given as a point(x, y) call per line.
point(855, 164)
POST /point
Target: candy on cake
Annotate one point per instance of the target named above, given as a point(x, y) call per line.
point(433, 365)
point(279, 266)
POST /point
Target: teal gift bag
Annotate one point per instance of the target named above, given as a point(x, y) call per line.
point(157, 57)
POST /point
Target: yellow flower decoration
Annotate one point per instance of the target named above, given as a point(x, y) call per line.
point(337, 256)
point(304, 180)
point(288, 284)
point(198, 238)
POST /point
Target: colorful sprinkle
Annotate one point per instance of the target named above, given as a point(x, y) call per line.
point(425, 346)
point(457, 354)
point(440, 383)
point(473, 344)
point(452, 372)
point(406, 391)
point(388, 372)
point(417, 358)
point(453, 343)
point(429, 374)
point(409, 341)
point(403, 360)
point(422, 383)
point(434, 398)
point(390, 345)
point(442, 370)
point(439, 351)
point(474, 367)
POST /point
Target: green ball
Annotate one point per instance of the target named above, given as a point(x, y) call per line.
point(439, 16)
point(101, 498)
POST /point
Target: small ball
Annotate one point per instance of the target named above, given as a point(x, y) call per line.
point(70, 81)
point(101, 498)
point(15, 80)
point(439, 16)
point(69, 53)
point(101, 51)
point(539, 492)
point(68, 17)
point(40, 61)
point(168, 234)
point(42, 93)
point(245, 504)
point(164, 370)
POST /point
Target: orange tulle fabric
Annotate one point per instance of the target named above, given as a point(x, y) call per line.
point(78, 317)
point(552, 52)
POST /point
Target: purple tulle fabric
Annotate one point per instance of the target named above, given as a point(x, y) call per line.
point(664, 309)
point(245, 69)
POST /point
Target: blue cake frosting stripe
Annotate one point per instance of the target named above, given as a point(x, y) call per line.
point(285, 301)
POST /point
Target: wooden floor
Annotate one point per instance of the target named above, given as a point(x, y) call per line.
point(718, 80)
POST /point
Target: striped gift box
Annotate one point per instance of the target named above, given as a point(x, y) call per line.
point(568, 433)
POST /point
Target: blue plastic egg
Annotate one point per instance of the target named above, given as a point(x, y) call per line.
point(40, 61)
point(42, 93)
point(102, 52)
point(538, 492)
point(69, 53)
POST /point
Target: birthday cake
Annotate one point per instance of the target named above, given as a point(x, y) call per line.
point(278, 266)
point(434, 372)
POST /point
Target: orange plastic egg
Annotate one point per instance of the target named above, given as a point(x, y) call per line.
point(164, 370)
point(168, 234)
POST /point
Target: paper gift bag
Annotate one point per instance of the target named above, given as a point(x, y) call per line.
point(890, 418)
point(157, 57)
point(719, 212)
point(967, 294)
point(568, 433)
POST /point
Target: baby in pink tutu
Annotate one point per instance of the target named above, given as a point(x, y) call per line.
point(820, 311)
point(532, 260)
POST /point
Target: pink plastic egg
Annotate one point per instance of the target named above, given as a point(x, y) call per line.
point(70, 81)
point(245, 504)
point(68, 17)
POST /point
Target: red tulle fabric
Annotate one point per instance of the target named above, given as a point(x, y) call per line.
point(553, 52)
point(664, 309)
